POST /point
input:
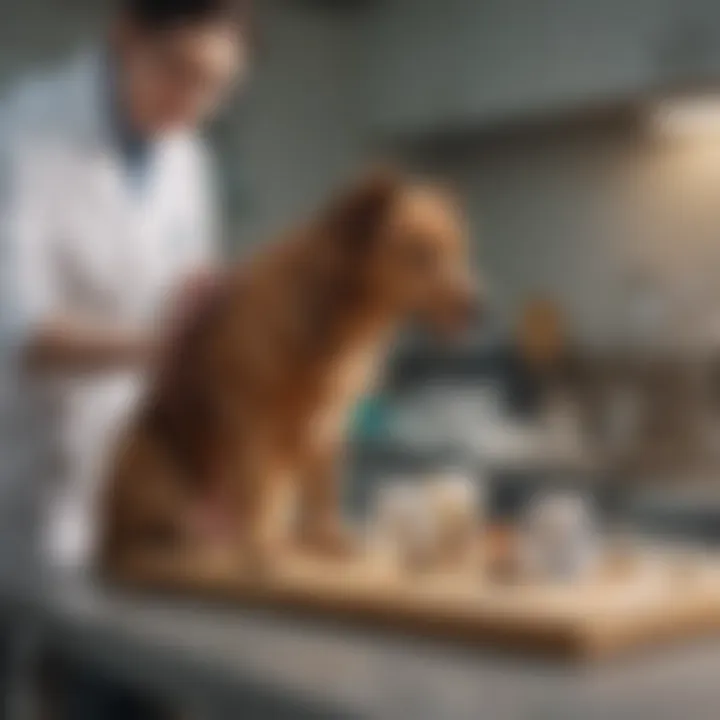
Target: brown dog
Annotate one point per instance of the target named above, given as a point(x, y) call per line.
point(247, 421)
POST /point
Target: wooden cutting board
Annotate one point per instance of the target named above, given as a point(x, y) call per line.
point(653, 597)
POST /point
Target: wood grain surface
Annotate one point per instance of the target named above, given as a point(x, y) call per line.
point(645, 598)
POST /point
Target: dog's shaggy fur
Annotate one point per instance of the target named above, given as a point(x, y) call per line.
point(247, 420)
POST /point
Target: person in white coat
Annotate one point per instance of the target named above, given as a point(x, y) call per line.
point(106, 212)
point(105, 209)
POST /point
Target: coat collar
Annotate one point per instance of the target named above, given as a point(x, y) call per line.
point(89, 91)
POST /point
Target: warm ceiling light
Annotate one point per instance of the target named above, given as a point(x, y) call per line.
point(688, 117)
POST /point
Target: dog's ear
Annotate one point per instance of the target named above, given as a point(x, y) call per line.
point(358, 214)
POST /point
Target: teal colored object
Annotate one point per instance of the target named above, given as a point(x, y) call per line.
point(370, 419)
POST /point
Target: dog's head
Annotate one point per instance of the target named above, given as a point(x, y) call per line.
point(408, 242)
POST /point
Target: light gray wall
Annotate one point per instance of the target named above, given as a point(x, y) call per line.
point(38, 33)
point(454, 63)
point(299, 133)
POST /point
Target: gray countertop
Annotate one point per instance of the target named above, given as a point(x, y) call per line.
point(255, 665)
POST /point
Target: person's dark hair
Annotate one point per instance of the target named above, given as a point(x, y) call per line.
point(165, 14)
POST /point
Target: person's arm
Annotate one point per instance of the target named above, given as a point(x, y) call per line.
point(34, 330)
point(70, 345)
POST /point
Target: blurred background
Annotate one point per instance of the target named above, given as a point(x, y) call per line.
point(583, 138)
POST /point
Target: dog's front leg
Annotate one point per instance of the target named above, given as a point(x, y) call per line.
point(265, 507)
point(322, 527)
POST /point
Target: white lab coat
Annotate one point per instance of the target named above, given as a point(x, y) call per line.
point(76, 238)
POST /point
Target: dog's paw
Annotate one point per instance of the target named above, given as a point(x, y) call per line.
point(331, 540)
point(262, 560)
